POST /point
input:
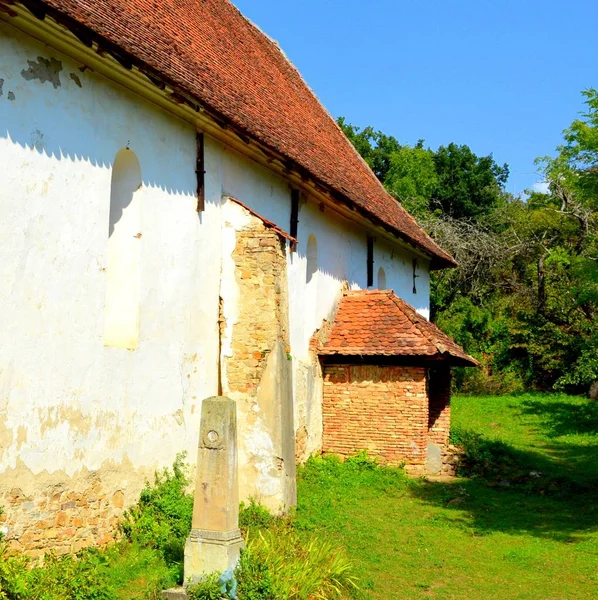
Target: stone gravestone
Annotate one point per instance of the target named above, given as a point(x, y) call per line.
point(215, 539)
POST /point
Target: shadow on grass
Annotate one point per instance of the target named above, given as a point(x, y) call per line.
point(482, 509)
point(516, 491)
point(563, 418)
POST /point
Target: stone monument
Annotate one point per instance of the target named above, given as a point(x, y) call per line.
point(215, 539)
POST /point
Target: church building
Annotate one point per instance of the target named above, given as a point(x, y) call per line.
point(180, 218)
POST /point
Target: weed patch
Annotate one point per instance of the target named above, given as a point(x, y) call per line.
point(162, 517)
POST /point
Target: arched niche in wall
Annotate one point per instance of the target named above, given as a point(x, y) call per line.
point(312, 258)
point(123, 252)
point(381, 279)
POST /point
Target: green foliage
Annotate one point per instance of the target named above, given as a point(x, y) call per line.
point(281, 561)
point(162, 517)
point(468, 185)
point(254, 515)
point(524, 298)
point(60, 578)
point(298, 567)
point(120, 571)
point(253, 576)
point(13, 569)
point(452, 179)
point(375, 147)
point(208, 588)
point(412, 178)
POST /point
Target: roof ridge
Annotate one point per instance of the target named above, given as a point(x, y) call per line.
point(278, 48)
point(209, 53)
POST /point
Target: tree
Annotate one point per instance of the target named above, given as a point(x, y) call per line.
point(572, 176)
point(451, 180)
point(411, 178)
point(468, 185)
point(524, 298)
point(375, 147)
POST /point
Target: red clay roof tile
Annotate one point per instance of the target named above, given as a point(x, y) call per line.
point(207, 49)
point(378, 323)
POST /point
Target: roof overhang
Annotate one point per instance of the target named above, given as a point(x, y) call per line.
point(57, 29)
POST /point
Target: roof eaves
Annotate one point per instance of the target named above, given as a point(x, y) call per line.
point(269, 224)
point(439, 259)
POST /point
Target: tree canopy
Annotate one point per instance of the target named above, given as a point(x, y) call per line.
point(524, 297)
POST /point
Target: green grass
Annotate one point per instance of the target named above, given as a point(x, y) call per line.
point(501, 534)
point(523, 525)
point(137, 573)
point(556, 435)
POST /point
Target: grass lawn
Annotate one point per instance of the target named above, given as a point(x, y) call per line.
point(525, 528)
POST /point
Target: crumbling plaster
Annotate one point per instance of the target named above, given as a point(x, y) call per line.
point(255, 366)
point(69, 406)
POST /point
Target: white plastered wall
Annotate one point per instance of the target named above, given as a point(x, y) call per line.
point(342, 262)
point(68, 403)
point(398, 266)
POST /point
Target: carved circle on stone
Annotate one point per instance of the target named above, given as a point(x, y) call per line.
point(212, 439)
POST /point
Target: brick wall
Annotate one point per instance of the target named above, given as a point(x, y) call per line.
point(439, 418)
point(383, 409)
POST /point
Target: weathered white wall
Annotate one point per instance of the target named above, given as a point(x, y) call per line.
point(67, 402)
point(398, 266)
point(342, 261)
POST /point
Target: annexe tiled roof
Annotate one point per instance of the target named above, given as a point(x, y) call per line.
point(208, 50)
point(379, 323)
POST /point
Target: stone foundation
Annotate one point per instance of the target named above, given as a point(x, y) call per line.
point(64, 515)
point(450, 460)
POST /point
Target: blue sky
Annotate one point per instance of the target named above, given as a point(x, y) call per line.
point(503, 77)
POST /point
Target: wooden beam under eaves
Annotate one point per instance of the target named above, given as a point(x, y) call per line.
point(200, 172)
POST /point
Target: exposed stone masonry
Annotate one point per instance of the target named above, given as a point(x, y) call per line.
point(261, 276)
point(60, 518)
point(257, 367)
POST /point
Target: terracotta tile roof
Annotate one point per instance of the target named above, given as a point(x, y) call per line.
point(208, 50)
point(378, 323)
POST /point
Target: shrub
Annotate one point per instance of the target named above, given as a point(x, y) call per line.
point(13, 583)
point(209, 588)
point(162, 517)
point(298, 568)
point(253, 577)
point(254, 515)
point(60, 578)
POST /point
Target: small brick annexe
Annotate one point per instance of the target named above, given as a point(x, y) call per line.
point(390, 411)
point(387, 383)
